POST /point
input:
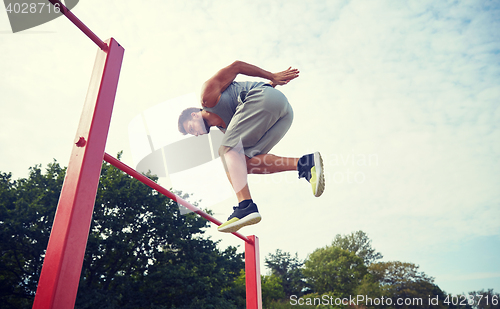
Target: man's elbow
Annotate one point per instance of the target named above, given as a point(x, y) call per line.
point(236, 66)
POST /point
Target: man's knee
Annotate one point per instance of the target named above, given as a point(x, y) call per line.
point(238, 150)
point(252, 165)
point(223, 150)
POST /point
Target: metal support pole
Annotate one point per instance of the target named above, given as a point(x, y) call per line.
point(58, 284)
point(79, 24)
point(252, 274)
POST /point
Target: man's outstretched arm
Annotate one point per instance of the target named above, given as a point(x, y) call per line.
point(213, 88)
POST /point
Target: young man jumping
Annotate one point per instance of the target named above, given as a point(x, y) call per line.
point(254, 116)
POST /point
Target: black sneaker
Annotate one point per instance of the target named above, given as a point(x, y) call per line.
point(310, 167)
point(240, 218)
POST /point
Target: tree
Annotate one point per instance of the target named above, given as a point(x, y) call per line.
point(360, 244)
point(332, 269)
point(483, 299)
point(289, 270)
point(393, 273)
point(486, 299)
point(272, 289)
point(141, 252)
point(26, 214)
point(404, 281)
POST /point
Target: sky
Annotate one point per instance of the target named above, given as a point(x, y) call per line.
point(400, 97)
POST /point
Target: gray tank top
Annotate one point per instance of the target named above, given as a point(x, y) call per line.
point(230, 98)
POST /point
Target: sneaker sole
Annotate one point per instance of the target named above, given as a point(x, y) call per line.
point(253, 218)
point(320, 185)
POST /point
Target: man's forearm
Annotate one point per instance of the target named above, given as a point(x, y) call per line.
point(252, 70)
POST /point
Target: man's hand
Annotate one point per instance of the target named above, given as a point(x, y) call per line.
point(282, 78)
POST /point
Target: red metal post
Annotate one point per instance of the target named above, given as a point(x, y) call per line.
point(252, 274)
point(62, 266)
point(145, 180)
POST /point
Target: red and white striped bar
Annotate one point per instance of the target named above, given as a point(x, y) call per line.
point(145, 180)
point(79, 24)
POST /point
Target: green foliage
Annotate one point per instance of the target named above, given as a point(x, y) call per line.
point(398, 280)
point(26, 212)
point(238, 290)
point(334, 269)
point(483, 299)
point(141, 252)
point(272, 289)
point(392, 273)
point(360, 244)
point(486, 299)
point(340, 277)
point(370, 288)
point(289, 270)
point(329, 300)
point(285, 304)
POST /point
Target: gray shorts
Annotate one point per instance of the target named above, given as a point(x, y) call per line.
point(262, 118)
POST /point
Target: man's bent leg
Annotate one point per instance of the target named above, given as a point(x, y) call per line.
point(234, 163)
point(269, 164)
point(309, 167)
point(246, 213)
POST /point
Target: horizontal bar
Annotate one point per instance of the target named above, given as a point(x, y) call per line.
point(145, 180)
point(80, 25)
